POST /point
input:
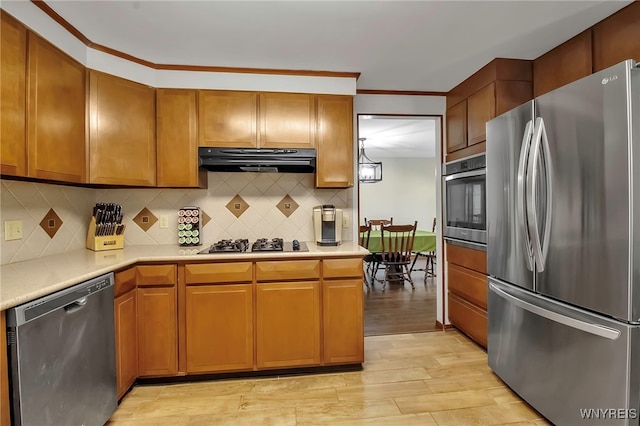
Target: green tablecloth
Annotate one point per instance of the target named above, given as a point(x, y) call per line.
point(424, 241)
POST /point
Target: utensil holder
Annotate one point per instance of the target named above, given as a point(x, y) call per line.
point(102, 242)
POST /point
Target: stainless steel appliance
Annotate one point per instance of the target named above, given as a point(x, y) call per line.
point(465, 199)
point(260, 245)
point(327, 223)
point(563, 250)
point(298, 160)
point(62, 356)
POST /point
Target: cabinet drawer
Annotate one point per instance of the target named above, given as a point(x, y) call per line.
point(471, 259)
point(342, 268)
point(124, 281)
point(218, 273)
point(468, 318)
point(153, 275)
point(468, 284)
point(288, 270)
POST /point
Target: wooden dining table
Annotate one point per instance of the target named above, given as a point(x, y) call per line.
point(423, 242)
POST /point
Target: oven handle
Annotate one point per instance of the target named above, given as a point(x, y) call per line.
point(470, 173)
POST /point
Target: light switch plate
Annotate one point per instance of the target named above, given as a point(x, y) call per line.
point(164, 221)
point(345, 220)
point(12, 230)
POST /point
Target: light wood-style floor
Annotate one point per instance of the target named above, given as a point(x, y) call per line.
point(436, 378)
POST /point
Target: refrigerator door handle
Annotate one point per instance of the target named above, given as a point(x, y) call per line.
point(520, 193)
point(532, 177)
point(548, 168)
point(597, 329)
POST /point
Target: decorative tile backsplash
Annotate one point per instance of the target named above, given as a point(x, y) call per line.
point(272, 204)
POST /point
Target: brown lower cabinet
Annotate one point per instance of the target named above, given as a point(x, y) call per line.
point(467, 295)
point(126, 341)
point(157, 331)
point(237, 316)
point(287, 324)
point(219, 327)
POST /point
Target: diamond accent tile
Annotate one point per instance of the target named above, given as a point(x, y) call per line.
point(51, 222)
point(205, 218)
point(145, 219)
point(287, 205)
point(237, 206)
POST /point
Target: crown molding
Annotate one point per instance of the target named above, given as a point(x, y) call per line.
point(398, 92)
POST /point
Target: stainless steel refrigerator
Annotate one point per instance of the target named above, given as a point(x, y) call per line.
point(563, 249)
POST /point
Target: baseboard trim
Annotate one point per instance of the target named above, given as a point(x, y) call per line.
point(442, 327)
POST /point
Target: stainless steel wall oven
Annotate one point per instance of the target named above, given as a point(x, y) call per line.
point(465, 210)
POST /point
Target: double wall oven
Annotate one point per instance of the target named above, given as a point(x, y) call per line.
point(465, 210)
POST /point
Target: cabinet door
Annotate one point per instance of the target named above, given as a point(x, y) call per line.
point(13, 68)
point(288, 324)
point(122, 131)
point(334, 165)
point(56, 130)
point(126, 341)
point(469, 318)
point(228, 119)
point(219, 328)
point(287, 120)
point(342, 314)
point(481, 107)
point(157, 331)
point(457, 127)
point(616, 38)
point(177, 139)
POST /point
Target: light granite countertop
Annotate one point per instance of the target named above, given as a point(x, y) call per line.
point(24, 281)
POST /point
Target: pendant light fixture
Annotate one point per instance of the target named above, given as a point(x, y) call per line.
point(368, 171)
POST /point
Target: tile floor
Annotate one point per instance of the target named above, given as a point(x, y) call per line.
point(436, 378)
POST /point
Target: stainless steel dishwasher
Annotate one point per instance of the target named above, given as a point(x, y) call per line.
point(62, 356)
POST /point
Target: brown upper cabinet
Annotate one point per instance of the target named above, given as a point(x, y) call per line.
point(481, 107)
point(566, 63)
point(500, 85)
point(13, 65)
point(177, 139)
point(334, 165)
point(122, 133)
point(457, 126)
point(257, 120)
point(287, 120)
point(228, 119)
point(617, 38)
point(56, 124)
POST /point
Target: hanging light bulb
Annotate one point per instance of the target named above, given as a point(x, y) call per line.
point(368, 171)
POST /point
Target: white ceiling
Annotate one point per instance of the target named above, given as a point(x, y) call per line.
point(395, 45)
point(398, 137)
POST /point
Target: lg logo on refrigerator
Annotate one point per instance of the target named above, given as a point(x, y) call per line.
point(608, 79)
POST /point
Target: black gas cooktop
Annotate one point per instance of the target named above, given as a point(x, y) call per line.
point(260, 245)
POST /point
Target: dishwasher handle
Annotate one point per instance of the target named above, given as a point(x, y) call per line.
point(76, 306)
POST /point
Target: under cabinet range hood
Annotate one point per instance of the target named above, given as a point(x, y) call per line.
point(277, 160)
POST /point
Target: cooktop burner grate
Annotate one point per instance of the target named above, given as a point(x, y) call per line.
point(264, 244)
point(229, 246)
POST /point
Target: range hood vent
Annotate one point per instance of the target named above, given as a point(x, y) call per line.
point(297, 160)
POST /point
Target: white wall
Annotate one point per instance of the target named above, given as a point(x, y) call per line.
point(407, 192)
point(413, 105)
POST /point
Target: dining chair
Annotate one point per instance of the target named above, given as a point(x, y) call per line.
point(430, 257)
point(365, 232)
point(376, 224)
point(397, 243)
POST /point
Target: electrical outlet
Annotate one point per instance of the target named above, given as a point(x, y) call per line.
point(164, 221)
point(12, 230)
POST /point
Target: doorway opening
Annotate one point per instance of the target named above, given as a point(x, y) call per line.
point(405, 145)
